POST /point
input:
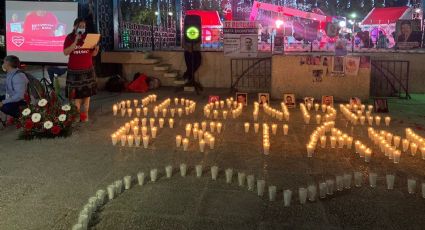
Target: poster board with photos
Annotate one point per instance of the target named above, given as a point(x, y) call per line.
point(408, 34)
point(352, 65)
point(289, 100)
point(338, 64)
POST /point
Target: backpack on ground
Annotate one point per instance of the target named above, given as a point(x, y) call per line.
point(116, 84)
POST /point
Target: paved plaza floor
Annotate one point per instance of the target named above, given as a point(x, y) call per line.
point(45, 183)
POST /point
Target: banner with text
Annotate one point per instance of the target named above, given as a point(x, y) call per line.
point(240, 38)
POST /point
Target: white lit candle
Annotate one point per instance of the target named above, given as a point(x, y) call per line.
point(225, 115)
point(137, 140)
point(136, 130)
point(204, 126)
point(128, 103)
point(164, 112)
point(256, 127)
point(387, 121)
point(212, 126)
point(413, 149)
point(123, 112)
point(161, 123)
point(333, 142)
point(396, 156)
point(323, 141)
point(285, 129)
point(274, 129)
point(188, 130)
point(178, 141)
point(115, 109)
point(201, 145)
point(145, 141)
point(180, 112)
point(215, 114)
point(155, 111)
point(152, 122)
point(246, 125)
point(172, 112)
point(377, 120)
point(114, 139)
point(145, 111)
point(144, 130)
point(219, 126)
point(212, 142)
point(123, 140)
point(154, 131)
point(185, 142)
point(171, 123)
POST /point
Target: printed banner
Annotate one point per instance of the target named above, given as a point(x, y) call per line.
point(240, 39)
point(352, 65)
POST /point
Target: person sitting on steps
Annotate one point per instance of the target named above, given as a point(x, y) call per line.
point(16, 87)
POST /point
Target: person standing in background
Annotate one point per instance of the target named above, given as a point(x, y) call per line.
point(81, 80)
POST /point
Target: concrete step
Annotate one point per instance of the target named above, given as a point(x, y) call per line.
point(171, 74)
point(189, 89)
point(162, 67)
point(179, 82)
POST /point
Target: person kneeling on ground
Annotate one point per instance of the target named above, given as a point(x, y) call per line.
point(16, 87)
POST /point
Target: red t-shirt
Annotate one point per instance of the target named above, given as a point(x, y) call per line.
point(79, 59)
point(40, 24)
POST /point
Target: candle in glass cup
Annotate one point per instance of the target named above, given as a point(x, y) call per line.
point(225, 114)
point(411, 186)
point(310, 150)
point(187, 110)
point(155, 111)
point(323, 141)
point(130, 140)
point(115, 109)
point(372, 179)
point(171, 123)
point(185, 142)
point(318, 119)
point(154, 131)
point(164, 112)
point(145, 140)
point(333, 142)
point(390, 181)
point(274, 129)
point(144, 130)
point(387, 121)
point(178, 141)
point(215, 114)
point(176, 101)
point(413, 148)
point(211, 142)
point(152, 122)
point(368, 154)
point(137, 140)
point(136, 130)
point(212, 126)
point(423, 152)
point(396, 140)
point(161, 123)
point(188, 130)
point(377, 120)
point(256, 127)
point(204, 126)
point(219, 126)
point(246, 126)
point(172, 112)
point(285, 129)
point(123, 110)
point(201, 145)
point(128, 103)
point(405, 145)
point(123, 140)
point(180, 112)
point(114, 139)
point(145, 111)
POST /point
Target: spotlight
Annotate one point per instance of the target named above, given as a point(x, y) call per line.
point(342, 24)
point(417, 10)
point(278, 23)
point(170, 13)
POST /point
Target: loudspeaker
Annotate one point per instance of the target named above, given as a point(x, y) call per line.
point(192, 29)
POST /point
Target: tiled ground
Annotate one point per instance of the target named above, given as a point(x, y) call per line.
point(45, 183)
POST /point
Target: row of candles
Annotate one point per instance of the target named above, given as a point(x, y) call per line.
point(389, 144)
point(329, 116)
point(215, 106)
point(199, 133)
point(356, 118)
point(274, 113)
point(145, 102)
point(415, 138)
point(312, 192)
point(139, 134)
point(274, 126)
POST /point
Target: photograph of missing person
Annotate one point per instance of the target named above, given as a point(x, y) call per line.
point(242, 98)
point(328, 100)
point(309, 100)
point(213, 98)
point(364, 62)
point(355, 101)
point(381, 105)
point(338, 64)
point(289, 100)
point(248, 44)
point(317, 75)
point(409, 34)
point(263, 98)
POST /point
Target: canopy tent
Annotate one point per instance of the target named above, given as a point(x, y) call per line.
point(284, 11)
point(387, 15)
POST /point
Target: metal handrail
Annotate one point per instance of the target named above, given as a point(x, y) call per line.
point(381, 69)
point(255, 64)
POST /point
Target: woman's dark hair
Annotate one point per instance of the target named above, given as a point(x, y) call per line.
point(77, 22)
point(405, 22)
point(13, 61)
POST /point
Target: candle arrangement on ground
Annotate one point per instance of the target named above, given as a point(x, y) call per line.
point(324, 189)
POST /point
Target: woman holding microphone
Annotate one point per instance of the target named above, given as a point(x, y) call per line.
point(81, 79)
